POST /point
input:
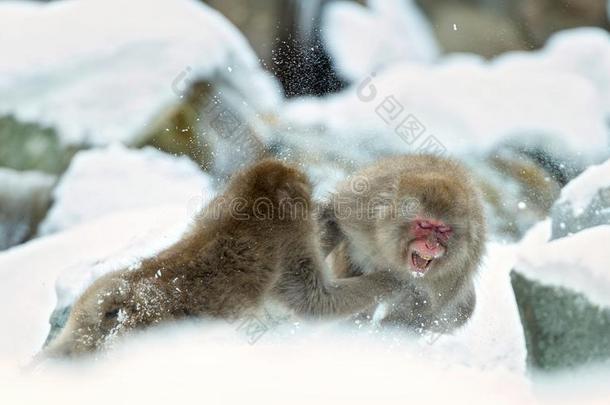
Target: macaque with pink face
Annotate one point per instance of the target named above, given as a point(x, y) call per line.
point(419, 216)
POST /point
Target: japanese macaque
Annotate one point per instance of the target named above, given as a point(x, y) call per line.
point(419, 215)
point(258, 240)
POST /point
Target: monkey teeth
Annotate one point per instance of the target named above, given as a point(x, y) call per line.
point(421, 262)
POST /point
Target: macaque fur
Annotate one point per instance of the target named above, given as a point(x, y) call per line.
point(415, 214)
point(258, 240)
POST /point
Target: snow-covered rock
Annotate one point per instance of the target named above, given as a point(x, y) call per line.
point(578, 262)
point(562, 289)
point(363, 39)
point(101, 71)
point(584, 202)
point(24, 200)
point(103, 181)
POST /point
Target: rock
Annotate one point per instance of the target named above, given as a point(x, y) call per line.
point(562, 328)
point(518, 191)
point(562, 290)
point(214, 127)
point(29, 146)
point(584, 202)
point(24, 200)
point(541, 18)
point(465, 26)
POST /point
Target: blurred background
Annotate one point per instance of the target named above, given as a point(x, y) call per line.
point(110, 110)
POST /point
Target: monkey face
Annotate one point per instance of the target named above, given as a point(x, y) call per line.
point(419, 246)
point(428, 243)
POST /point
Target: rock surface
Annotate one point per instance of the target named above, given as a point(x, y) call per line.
point(24, 200)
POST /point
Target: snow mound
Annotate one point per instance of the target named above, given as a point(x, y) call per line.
point(103, 181)
point(202, 364)
point(362, 39)
point(581, 51)
point(100, 71)
point(578, 262)
point(460, 106)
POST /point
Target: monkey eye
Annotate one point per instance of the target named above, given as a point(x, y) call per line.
point(424, 225)
point(444, 229)
point(111, 314)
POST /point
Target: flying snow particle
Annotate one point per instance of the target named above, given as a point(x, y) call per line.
point(522, 205)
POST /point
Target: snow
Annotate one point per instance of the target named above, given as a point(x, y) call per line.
point(580, 191)
point(101, 71)
point(465, 104)
point(558, 97)
point(578, 262)
point(103, 181)
point(362, 39)
point(200, 364)
point(582, 51)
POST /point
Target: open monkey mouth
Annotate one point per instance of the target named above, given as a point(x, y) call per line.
point(420, 262)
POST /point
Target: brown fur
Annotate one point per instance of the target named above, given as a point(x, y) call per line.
point(370, 237)
point(257, 240)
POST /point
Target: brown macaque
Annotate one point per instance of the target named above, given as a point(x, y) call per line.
point(419, 215)
point(258, 240)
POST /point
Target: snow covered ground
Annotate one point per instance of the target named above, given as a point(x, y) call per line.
point(101, 71)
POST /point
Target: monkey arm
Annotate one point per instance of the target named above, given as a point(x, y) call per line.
point(330, 231)
point(458, 311)
point(417, 310)
point(305, 288)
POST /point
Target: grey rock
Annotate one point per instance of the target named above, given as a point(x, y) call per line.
point(28, 146)
point(562, 328)
point(24, 200)
point(567, 221)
